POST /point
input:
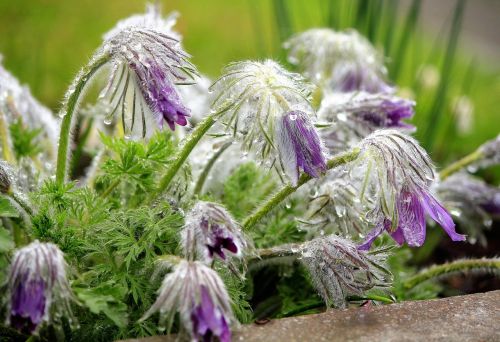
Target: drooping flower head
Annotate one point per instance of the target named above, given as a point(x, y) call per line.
point(198, 294)
point(18, 104)
point(353, 116)
point(472, 202)
point(344, 61)
point(339, 269)
point(257, 100)
point(299, 146)
point(398, 174)
point(147, 62)
point(211, 231)
point(38, 287)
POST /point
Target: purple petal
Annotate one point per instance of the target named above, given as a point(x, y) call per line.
point(208, 320)
point(28, 305)
point(439, 214)
point(302, 140)
point(160, 94)
point(372, 235)
point(411, 217)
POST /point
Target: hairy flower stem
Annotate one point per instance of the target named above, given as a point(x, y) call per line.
point(110, 188)
point(480, 265)
point(289, 189)
point(70, 108)
point(184, 152)
point(4, 140)
point(460, 164)
point(206, 170)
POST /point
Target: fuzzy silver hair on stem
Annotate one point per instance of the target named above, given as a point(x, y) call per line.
point(268, 108)
point(338, 61)
point(198, 294)
point(349, 117)
point(210, 231)
point(338, 269)
point(472, 202)
point(38, 287)
point(398, 173)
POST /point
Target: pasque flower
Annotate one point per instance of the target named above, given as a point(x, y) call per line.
point(472, 202)
point(211, 231)
point(198, 294)
point(268, 109)
point(338, 269)
point(38, 287)
point(353, 116)
point(146, 62)
point(343, 61)
point(398, 175)
point(299, 146)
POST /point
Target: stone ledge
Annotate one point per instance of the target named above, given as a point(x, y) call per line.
point(473, 317)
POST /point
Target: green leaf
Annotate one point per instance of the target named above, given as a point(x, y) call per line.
point(6, 242)
point(106, 299)
point(7, 209)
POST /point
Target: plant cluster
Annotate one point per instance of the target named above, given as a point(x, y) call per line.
point(176, 225)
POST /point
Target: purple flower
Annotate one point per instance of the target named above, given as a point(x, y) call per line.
point(210, 230)
point(28, 305)
point(352, 77)
point(38, 287)
point(299, 146)
point(160, 95)
point(199, 295)
point(208, 321)
point(412, 204)
point(147, 65)
point(390, 113)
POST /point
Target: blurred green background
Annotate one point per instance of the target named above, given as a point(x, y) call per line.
point(45, 42)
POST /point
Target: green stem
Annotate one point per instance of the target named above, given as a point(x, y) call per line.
point(289, 189)
point(486, 265)
point(377, 298)
point(184, 152)
point(460, 164)
point(316, 305)
point(25, 206)
point(203, 176)
point(70, 108)
point(110, 188)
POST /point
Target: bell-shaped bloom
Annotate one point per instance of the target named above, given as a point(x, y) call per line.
point(146, 63)
point(343, 61)
point(38, 287)
point(473, 203)
point(351, 117)
point(197, 293)
point(338, 269)
point(412, 205)
point(395, 176)
point(211, 231)
point(299, 146)
point(251, 96)
point(255, 99)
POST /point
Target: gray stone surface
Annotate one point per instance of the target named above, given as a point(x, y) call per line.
point(463, 318)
